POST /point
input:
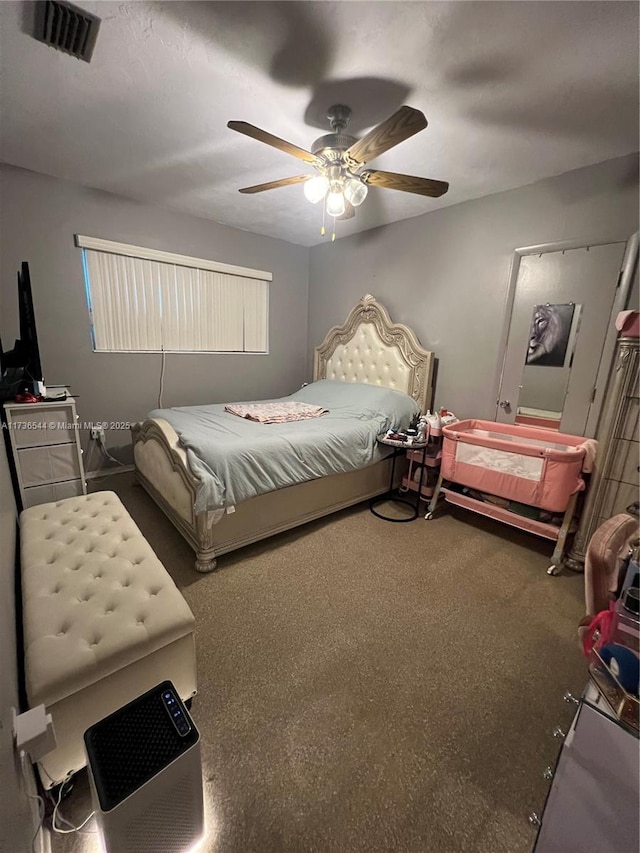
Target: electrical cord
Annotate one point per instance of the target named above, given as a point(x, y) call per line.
point(161, 391)
point(63, 819)
point(87, 463)
point(111, 458)
point(56, 804)
point(48, 775)
point(97, 475)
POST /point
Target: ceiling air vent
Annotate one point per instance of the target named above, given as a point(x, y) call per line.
point(67, 28)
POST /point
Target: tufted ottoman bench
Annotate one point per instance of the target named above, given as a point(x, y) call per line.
point(103, 621)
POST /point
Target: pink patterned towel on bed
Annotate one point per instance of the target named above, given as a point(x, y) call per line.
point(276, 413)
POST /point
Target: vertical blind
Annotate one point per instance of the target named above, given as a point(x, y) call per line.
point(142, 304)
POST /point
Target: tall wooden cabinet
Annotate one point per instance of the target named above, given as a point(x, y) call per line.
point(45, 450)
point(614, 483)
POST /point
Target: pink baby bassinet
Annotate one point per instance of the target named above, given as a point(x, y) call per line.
point(532, 466)
point(518, 465)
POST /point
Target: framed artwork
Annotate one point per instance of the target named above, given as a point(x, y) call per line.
point(549, 334)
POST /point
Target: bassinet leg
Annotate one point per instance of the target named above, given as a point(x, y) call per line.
point(556, 558)
point(434, 500)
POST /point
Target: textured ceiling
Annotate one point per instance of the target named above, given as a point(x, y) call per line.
point(514, 92)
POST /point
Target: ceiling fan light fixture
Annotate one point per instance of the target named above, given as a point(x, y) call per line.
point(335, 203)
point(339, 159)
point(355, 191)
point(316, 189)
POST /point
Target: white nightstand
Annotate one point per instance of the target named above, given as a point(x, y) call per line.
point(45, 446)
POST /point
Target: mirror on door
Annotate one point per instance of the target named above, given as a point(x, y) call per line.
point(561, 335)
point(548, 360)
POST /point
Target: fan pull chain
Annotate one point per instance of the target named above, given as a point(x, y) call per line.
point(322, 230)
point(333, 235)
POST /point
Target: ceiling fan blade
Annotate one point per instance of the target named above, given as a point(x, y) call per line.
point(273, 185)
point(269, 139)
point(349, 211)
point(400, 126)
point(405, 183)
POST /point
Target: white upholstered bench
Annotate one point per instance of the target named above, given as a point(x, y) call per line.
point(103, 620)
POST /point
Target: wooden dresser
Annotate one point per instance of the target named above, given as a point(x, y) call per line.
point(614, 483)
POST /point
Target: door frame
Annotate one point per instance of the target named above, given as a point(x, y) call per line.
point(623, 287)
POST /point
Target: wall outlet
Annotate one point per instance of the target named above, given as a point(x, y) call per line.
point(33, 732)
point(97, 433)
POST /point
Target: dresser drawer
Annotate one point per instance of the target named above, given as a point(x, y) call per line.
point(38, 426)
point(617, 497)
point(626, 461)
point(630, 427)
point(52, 492)
point(39, 465)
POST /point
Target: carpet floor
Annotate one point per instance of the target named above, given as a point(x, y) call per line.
point(367, 686)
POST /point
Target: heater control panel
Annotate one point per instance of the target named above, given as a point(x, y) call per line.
point(176, 712)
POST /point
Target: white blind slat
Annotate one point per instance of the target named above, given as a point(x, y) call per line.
point(255, 312)
point(142, 305)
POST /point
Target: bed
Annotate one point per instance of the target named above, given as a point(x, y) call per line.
point(367, 349)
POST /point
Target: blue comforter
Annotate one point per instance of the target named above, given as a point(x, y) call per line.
point(238, 459)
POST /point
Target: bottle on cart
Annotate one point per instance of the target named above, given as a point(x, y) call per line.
point(434, 420)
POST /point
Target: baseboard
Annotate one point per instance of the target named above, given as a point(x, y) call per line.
point(107, 472)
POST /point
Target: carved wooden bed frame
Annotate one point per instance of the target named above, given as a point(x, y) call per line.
point(369, 348)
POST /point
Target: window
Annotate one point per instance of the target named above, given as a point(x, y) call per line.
point(143, 300)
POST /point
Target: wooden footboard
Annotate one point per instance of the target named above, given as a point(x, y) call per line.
point(163, 470)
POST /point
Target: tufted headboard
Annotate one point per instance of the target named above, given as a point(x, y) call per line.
point(369, 348)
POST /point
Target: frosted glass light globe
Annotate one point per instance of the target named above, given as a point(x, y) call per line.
point(316, 189)
point(335, 204)
point(355, 191)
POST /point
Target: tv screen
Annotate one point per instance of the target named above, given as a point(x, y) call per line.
point(21, 366)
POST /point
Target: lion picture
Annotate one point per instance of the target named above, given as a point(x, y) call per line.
point(549, 335)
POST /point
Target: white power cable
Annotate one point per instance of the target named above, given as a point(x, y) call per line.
point(161, 391)
point(64, 820)
point(103, 447)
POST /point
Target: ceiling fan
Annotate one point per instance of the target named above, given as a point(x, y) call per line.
point(339, 160)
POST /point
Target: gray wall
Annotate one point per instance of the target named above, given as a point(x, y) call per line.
point(17, 820)
point(40, 215)
point(446, 273)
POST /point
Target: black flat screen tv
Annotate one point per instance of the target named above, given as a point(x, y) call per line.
point(21, 369)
